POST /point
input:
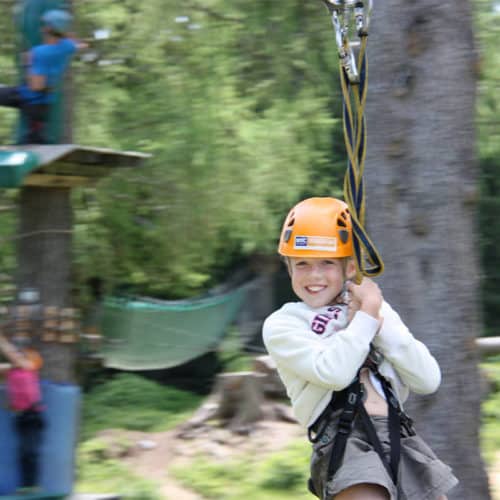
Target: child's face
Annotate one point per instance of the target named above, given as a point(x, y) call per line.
point(318, 281)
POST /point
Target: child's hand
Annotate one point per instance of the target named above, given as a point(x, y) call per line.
point(366, 297)
point(353, 305)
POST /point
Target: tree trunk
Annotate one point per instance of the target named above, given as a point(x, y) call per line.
point(44, 262)
point(238, 402)
point(44, 248)
point(421, 181)
point(241, 398)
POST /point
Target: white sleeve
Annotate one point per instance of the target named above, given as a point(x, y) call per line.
point(330, 362)
point(411, 359)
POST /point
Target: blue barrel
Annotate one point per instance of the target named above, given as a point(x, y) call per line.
point(57, 462)
point(9, 474)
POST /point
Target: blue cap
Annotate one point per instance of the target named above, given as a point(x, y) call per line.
point(57, 20)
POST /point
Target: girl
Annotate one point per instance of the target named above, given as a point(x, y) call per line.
point(348, 365)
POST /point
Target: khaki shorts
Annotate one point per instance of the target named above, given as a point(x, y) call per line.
point(422, 476)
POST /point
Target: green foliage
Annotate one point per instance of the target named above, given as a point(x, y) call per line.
point(8, 69)
point(286, 470)
point(281, 475)
point(131, 402)
point(7, 120)
point(239, 103)
point(234, 106)
point(490, 427)
point(106, 476)
point(490, 234)
point(488, 109)
point(487, 16)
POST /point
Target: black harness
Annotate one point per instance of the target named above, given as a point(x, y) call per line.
point(350, 400)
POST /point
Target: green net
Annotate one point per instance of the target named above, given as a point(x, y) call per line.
point(147, 334)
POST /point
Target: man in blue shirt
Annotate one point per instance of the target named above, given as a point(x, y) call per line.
point(45, 67)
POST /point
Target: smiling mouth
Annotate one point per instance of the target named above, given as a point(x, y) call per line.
point(315, 288)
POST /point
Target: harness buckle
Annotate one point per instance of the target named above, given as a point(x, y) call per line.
point(344, 428)
point(345, 422)
point(407, 423)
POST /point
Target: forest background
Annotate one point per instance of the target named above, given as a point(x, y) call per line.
point(240, 108)
point(239, 104)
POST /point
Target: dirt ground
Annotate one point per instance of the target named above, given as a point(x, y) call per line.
point(152, 455)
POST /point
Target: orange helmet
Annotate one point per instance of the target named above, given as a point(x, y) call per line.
point(317, 227)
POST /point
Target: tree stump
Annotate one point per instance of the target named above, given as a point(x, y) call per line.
point(240, 398)
point(272, 385)
point(238, 403)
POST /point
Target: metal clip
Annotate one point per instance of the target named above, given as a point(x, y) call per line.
point(344, 48)
point(362, 12)
point(342, 13)
point(343, 3)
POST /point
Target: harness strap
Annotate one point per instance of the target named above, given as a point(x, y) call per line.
point(394, 438)
point(374, 440)
point(394, 427)
point(353, 408)
point(353, 401)
point(354, 86)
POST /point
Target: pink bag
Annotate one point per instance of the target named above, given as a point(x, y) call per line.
point(23, 389)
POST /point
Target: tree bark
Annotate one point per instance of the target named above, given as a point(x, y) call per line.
point(421, 183)
point(240, 398)
point(238, 402)
point(44, 262)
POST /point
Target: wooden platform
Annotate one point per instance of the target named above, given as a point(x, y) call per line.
point(61, 165)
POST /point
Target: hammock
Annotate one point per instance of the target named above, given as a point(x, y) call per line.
point(149, 334)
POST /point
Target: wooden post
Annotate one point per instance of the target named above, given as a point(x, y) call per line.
point(45, 225)
point(488, 346)
point(241, 398)
point(44, 262)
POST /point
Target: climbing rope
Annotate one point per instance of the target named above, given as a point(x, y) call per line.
point(354, 84)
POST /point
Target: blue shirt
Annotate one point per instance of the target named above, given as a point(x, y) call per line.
point(49, 61)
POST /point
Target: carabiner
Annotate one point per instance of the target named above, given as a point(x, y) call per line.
point(342, 12)
point(361, 9)
point(362, 14)
point(346, 54)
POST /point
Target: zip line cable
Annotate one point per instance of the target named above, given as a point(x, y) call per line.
point(354, 86)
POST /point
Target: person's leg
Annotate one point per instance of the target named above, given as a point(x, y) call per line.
point(23, 449)
point(36, 119)
point(364, 491)
point(9, 97)
point(30, 428)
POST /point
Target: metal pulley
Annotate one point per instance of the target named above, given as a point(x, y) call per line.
point(347, 15)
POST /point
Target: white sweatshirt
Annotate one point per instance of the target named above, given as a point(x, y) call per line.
point(316, 353)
